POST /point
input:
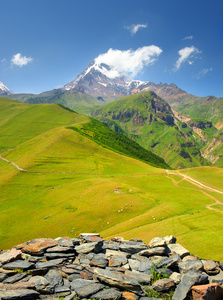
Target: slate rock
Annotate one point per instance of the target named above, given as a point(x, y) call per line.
point(117, 261)
point(18, 264)
point(210, 267)
point(163, 285)
point(188, 280)
point(153, 251)
point(132, 248)
point(10, 256)
point(118, 281)
point(110, 253)
point(99, 261)
point(221, 266)
point(176, 277)
point(54, 278)
point(72, 296)
point(2, 277)
point(138, 276)
point(38, 246)
point(65, 242)
point(14, 278)
point(177, 249)
point(58, 255)
point(211, 291)
point(20, 285)
point(59, 249)
point(140, 266)
point(170, 239)
point(89, 289)
point(129, 296)
point(216, 278)
point(188, 265)
point(50, 264)
point(157, 242)
point(111, 246)
point(41, 284)
point(89, 237)
point(89, 247)
point(18, 294)
point(107, 294)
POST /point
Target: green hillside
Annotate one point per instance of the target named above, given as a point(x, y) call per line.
point(74, 99)
point(58, 181)
point(149, 121)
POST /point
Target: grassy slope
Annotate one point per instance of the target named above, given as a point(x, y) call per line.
point(76, 185)
point(153, 133)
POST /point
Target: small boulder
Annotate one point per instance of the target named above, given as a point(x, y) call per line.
point(157, 242)
point(211, 291)
point(10, 256)
point(163, 285)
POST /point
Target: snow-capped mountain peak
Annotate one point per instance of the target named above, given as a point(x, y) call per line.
point(103, 81)
point(4, 90)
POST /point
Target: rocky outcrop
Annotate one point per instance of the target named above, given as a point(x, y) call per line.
point(93, 268)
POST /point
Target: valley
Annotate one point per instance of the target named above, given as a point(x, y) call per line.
point(55, 180)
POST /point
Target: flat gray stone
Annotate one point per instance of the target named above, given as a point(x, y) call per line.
point(99, 261)
point(42, 284)
point(59, 255)
point(157, 242)
point(176, 277)
point(18, 264)
point(118, 281)
point(170, 239)
point(14, 278)
point(107, 294)
point(54, 278)
point(50, 264)
point(59, 249)
point(89, 289)
point(189, 265)
point(129, 248)
point(138, 276)
point(163, 285)
point(89, 247)
point(188, 280)
point(18, 294)
point(153, 251)
point(10, 255)
point(140, 266)
point(177, 249)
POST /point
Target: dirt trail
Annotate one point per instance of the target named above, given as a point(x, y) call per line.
point(200, 185)
point(48, 172)
point(13, 164)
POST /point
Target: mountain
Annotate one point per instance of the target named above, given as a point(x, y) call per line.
point(150, 121)
point(4, 90)
point(103, 82)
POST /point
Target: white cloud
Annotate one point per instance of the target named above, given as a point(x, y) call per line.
point(135, 27)
point(203, 72)
point(190, 37)
point(129, 61)
point(186, 55)
point(19, 60)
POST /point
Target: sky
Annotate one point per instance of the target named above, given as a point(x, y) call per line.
point(47, 43)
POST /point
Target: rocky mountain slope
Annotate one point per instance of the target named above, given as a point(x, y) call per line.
point(149, 120)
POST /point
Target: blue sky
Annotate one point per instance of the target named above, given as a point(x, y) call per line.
point(47, 43)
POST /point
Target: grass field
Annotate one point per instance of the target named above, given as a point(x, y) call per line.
point(71, 184)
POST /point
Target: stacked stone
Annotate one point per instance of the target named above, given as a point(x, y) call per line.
point(93, 268)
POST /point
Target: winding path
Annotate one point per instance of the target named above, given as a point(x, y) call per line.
point(184, 177)
point(200, 185)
